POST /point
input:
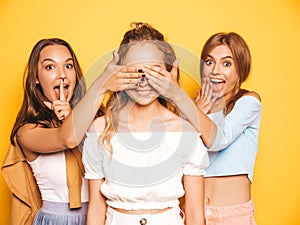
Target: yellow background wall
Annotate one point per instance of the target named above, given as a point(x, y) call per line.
point(271, 28)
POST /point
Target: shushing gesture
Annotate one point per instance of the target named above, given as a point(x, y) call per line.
point(61, 107)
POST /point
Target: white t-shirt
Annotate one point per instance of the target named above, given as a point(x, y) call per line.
point(50, 173)
point(145, 169)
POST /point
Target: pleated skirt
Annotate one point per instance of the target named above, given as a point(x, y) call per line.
point(53, 213)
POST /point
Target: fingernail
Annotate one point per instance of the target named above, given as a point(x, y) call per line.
point(143, 79)
point(136, 85)
point(140, 70)
point(143, 75)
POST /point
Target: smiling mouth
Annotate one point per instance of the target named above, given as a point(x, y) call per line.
point(217, 81)
point(143, 92)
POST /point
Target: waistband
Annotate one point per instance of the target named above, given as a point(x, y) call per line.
point(172, 216)
point(63, 208)
point(230, 211)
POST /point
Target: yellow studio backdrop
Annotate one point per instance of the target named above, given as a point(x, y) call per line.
point(93, 28)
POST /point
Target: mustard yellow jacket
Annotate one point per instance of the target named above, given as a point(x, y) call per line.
point(26, 198)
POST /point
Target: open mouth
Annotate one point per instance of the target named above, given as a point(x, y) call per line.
point(218, 84)
point(217, 81)
point(57, 91)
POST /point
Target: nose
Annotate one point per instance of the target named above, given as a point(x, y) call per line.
point(62, 74)
point(144, 83)
point(216, 69)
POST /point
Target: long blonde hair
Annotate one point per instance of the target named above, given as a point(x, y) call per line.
point(139, 33)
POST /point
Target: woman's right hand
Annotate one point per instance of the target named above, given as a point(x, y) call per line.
point(206, 97)
point(60, 107)
point(118, 78)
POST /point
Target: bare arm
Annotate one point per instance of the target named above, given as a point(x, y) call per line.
point(244, 116)
point(165, 83)
point(196, 117)
point(194, 200)
point(97, 206)
point(37, 139)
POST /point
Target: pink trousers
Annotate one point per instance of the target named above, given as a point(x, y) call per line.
point(240, 214)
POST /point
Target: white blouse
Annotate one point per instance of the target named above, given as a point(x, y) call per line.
point(145, 169)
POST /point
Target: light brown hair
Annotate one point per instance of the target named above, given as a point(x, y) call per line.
point(241, 56)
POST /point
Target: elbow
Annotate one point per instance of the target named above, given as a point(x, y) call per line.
point(209, 141)
point(70, 142)
point(208, 144)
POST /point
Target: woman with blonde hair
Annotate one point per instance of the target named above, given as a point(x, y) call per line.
point(146, 157)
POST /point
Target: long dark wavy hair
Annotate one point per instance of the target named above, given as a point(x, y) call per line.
point(33, 109)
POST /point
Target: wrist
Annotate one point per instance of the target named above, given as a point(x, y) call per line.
point(181, 96)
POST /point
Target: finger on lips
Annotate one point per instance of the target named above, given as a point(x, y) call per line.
point(62, 96)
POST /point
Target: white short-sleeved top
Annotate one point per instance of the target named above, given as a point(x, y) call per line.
point(50, 173)
point(145, 169)
point(235, 148)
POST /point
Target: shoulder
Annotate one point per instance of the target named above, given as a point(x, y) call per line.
point(253, 94)
point(98, 125)
point(28, 126)
point(175, 123)
point(178, 124)
point(27, 130)
point(248, 104)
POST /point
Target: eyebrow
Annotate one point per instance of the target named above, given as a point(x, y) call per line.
point(48, 59)
point(225, 57)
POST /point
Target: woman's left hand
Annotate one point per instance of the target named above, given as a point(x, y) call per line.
point(162, 81)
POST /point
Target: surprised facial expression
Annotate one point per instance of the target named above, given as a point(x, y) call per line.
point(220, 68)
point(56, 69)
